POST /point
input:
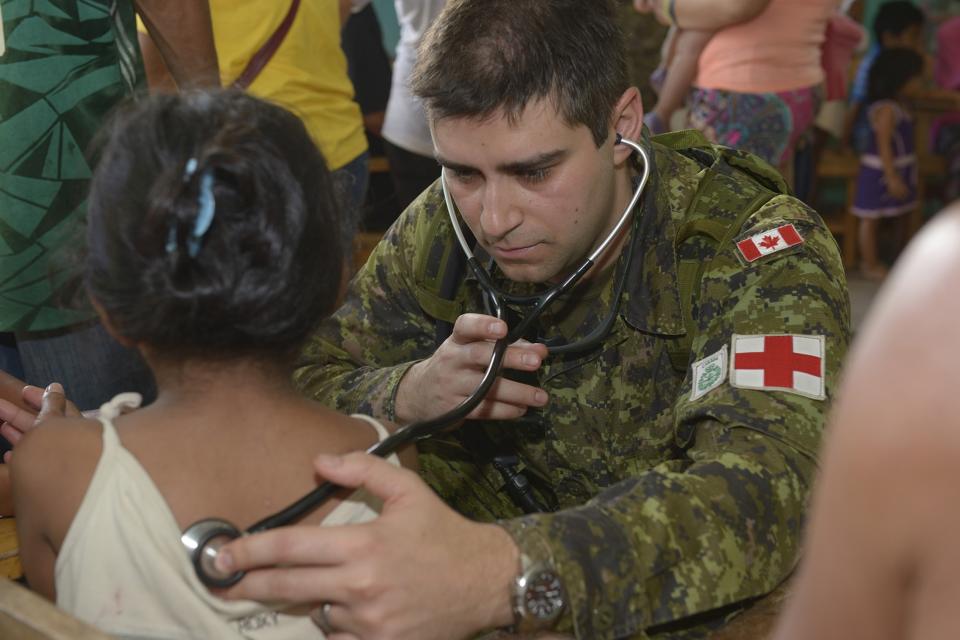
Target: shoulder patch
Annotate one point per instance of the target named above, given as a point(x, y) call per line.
point(709, 373)
point(784, 362)
point(761, 244)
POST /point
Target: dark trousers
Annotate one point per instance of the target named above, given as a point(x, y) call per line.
point(411, 173)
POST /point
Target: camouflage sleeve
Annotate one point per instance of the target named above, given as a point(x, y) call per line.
point(721, 523)
point(355, 360)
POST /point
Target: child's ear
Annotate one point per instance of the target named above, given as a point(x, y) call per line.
point(108, 325)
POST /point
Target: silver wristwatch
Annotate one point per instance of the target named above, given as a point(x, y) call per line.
point(538, 599)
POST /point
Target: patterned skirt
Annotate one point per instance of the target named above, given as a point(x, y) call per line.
point(765, 124)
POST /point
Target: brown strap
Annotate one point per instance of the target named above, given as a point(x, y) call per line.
point(263, 55)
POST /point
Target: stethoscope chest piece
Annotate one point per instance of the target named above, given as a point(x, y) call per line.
point(203, 541)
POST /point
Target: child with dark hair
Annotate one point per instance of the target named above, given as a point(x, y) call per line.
point(887, 183)
point(211, 251)
point(898, 24)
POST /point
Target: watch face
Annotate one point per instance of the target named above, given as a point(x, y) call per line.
point(543, 597)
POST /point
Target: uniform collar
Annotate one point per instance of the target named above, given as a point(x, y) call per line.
point(652, 298)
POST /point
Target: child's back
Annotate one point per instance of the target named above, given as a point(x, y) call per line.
point(213, 249)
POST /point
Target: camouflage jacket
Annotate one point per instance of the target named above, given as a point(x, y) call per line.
point(671, 512)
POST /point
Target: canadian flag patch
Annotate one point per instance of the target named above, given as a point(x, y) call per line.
point(783, 362)
point(767, 242)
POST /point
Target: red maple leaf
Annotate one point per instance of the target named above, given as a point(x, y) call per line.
point(769, 242)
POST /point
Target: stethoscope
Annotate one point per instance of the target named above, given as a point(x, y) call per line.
point(204, 539)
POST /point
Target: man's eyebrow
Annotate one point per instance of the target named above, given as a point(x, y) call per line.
point(536, 162)
point(517, 166)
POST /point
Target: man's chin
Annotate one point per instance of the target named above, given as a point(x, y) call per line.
point(528, 273)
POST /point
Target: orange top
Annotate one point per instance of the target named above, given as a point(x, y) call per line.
point(779, 50)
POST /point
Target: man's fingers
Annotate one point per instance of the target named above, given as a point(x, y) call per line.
point(292, 546)
point(376, 475)
point(20, 419)
point(473, 327)
point(517, 393)
point(491, 410)
point(522, 356)
point(292, 584)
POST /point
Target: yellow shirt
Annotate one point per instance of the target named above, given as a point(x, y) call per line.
point(307, 74)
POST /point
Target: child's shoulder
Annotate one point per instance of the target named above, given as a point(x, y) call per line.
point(51, 467)
point(887, 109)
point(57, 447)
point(61, 430)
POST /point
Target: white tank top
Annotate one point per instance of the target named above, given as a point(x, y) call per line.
point(123, 569)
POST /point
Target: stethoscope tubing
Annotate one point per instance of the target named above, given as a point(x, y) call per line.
point(199, 546)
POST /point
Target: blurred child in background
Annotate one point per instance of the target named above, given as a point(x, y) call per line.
point(887, 182)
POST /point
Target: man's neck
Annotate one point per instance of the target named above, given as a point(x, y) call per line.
point(624, 191)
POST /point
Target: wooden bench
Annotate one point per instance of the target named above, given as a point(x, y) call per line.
point(26, 616)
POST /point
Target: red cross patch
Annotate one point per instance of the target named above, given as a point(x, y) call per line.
point(770, 241)
point(791, 363)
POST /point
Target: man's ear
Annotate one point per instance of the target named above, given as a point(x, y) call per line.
point(627, 120)
point(108, 325)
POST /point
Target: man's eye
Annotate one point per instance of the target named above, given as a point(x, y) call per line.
point(535, 175)
point(461, 175)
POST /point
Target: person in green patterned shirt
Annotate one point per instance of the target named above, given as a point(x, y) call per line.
point(63, 66)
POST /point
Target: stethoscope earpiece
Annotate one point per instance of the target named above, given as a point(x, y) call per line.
point(203, 541)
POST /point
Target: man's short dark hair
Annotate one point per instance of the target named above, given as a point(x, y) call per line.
point(481, 56)
point(896, 17)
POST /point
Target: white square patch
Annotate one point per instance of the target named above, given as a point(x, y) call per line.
point(709, 373)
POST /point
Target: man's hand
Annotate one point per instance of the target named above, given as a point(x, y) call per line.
point(442, 381)
point(37, 405)
point(420, 571)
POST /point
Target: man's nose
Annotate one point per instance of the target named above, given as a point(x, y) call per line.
point(498, 213)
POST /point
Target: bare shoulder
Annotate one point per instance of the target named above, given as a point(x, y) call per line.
point(342, 433)
point(51, 468)
point(899, 381)
point(56, 436)
point(345, 433)
point(882, 534)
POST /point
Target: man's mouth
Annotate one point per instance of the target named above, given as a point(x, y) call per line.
point(513, 251)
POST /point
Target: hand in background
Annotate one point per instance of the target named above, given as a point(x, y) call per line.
point(36, 406)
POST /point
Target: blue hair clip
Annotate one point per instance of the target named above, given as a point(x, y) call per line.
point(207, 207)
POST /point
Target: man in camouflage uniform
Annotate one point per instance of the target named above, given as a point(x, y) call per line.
point(674, 458)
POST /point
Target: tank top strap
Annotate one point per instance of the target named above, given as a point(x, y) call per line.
point(381, 430)
point(110, 411)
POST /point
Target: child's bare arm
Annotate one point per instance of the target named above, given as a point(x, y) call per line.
point(50, 475)
point(884, 123)
point(681, 70)
point(31, 483)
